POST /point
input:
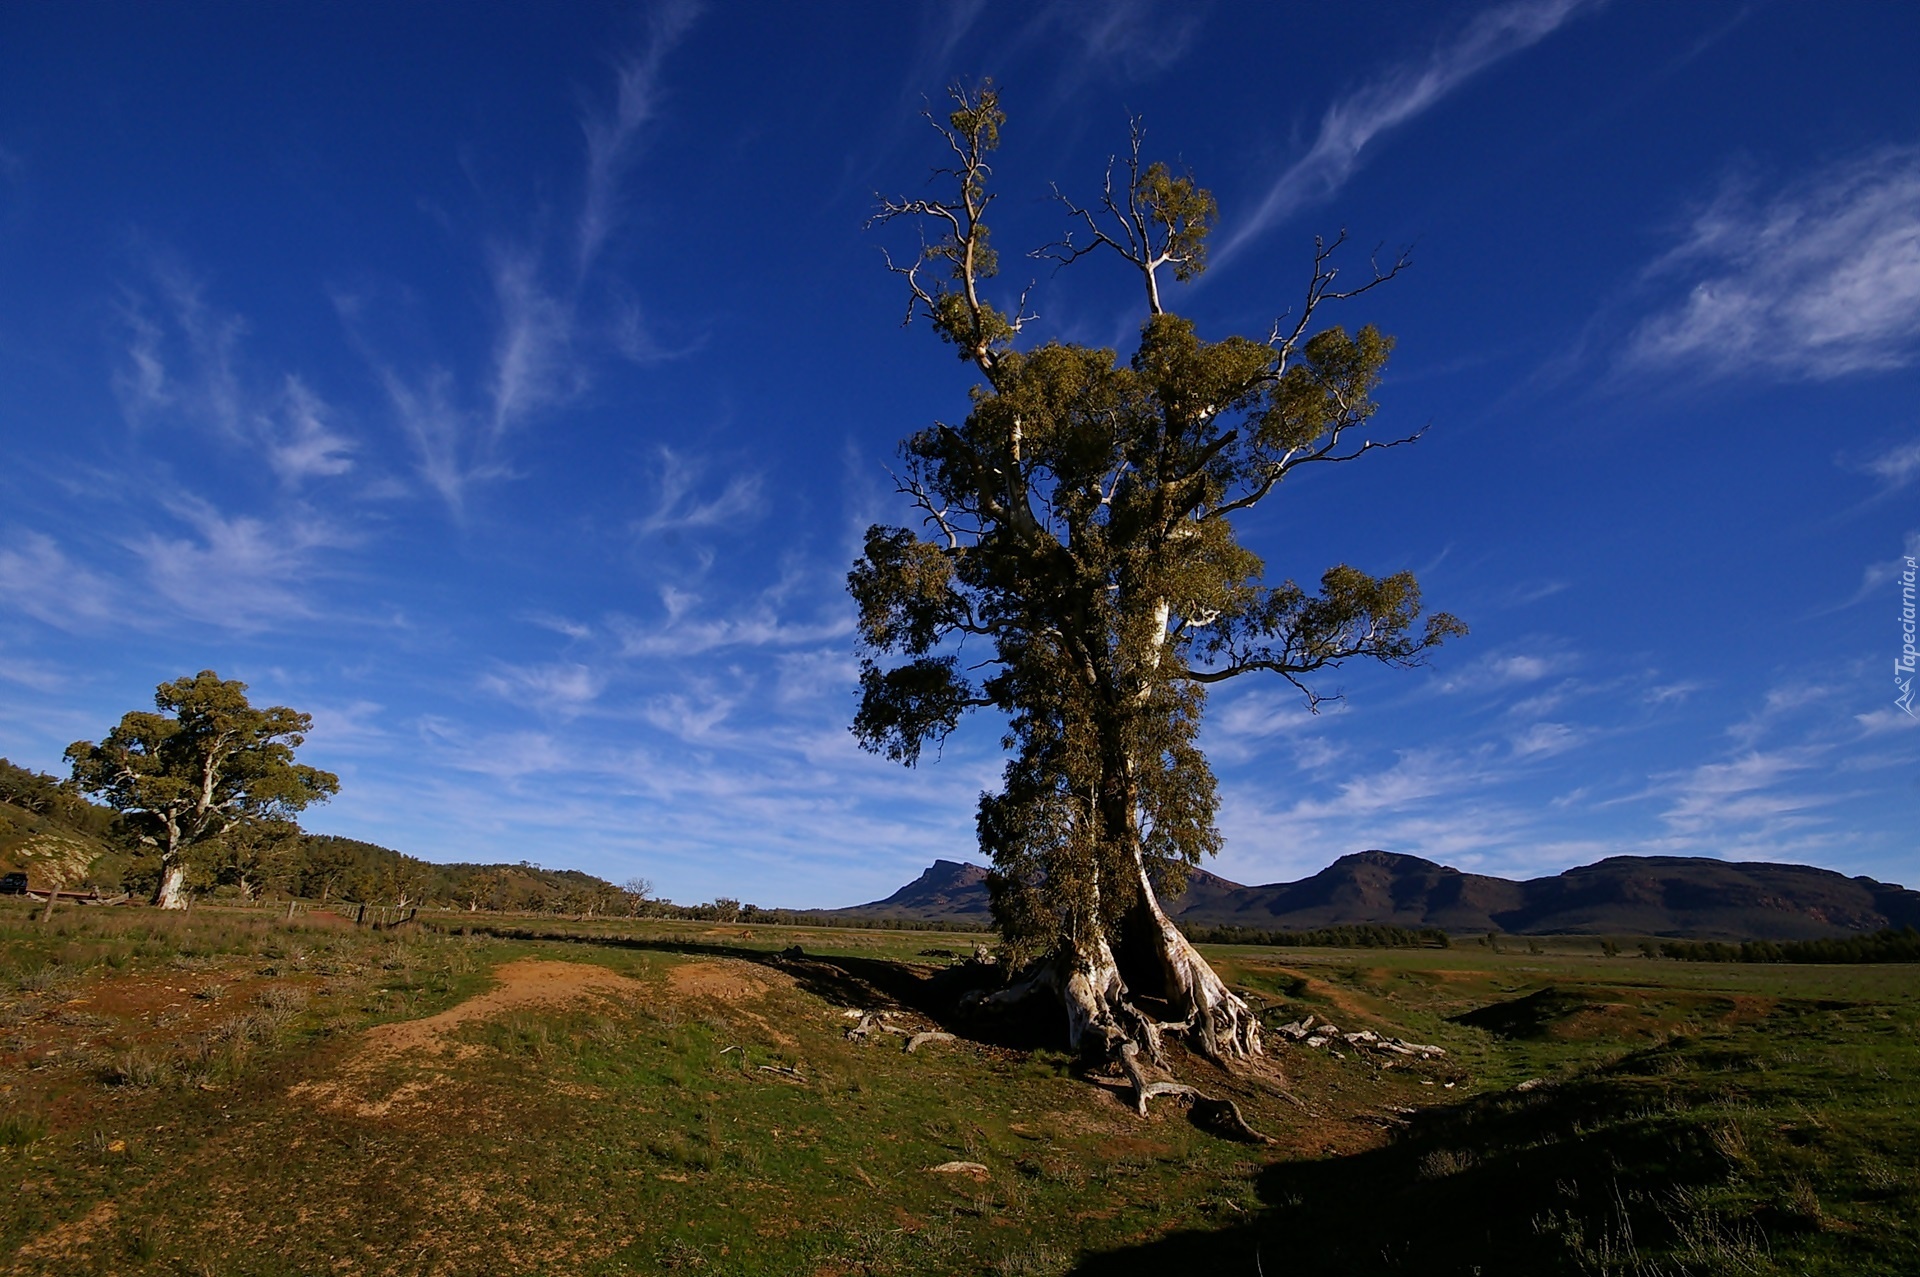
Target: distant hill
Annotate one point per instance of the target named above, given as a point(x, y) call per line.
point(1681, 897)
point(949, 890)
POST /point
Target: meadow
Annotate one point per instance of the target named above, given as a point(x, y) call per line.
point(236, 1092)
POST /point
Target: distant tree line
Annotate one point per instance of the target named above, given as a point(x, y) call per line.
point(819, 918)
point(259, 859)
point(1363, 936)
point(1888, 945)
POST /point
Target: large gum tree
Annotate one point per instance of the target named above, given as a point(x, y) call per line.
point(1076, 567)
point(208, 764)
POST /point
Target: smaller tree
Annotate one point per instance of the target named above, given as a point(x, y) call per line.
point(252, 855)
point(639, 893)
point(207, 760)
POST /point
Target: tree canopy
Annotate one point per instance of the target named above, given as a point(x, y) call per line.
point(1079, 525)
point(202, 765)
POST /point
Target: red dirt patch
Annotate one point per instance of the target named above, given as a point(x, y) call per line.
point(725, 981)
point(526, 983)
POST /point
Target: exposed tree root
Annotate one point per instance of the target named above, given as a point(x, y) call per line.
point(1215, 1018)
point(1106, 1027)
point(1222, 1115)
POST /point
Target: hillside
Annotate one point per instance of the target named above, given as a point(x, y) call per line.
point(1681, 897)
point(54, 834)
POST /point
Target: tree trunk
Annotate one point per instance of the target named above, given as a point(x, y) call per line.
point(1222, 1025)
point(168, 894)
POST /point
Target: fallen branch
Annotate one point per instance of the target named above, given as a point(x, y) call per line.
point(1314, 1034)
point(960, 1168)
point(783, 1071)
point(921, 1039)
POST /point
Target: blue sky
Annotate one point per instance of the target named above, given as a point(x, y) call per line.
point(508, 386)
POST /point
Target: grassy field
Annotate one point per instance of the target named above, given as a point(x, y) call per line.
point(228, 1092)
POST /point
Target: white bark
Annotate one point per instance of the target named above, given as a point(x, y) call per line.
point(1222, 1024)
point(169, 894)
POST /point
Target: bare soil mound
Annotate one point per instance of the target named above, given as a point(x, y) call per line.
point(527, 983)
point(725, 981)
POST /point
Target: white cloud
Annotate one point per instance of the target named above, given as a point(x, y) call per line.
point(1132, 38)
point(1718, 799)
point(35, 675)
point(679, 509)
point(39, 580)
point(576, 630)
point(1781, 703)
point(1815, 281)
point(1897, 466)
point(543, 331)
point(565, 687)
point(504, 756)
point(1881, 721)
point(242, 572)
point(533, 365)
point(690, 629)
point(1491, 673)
point(187, 365)
point(350, 728)
point(1877, 577)
point(306, 446)
point(1670, 693)
point(610, 138)
point(439, 432)
point(1394, 98)
point(1543, 740)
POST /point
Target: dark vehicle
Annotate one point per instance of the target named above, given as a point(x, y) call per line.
point(13, 884)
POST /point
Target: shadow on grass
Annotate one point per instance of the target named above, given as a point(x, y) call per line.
point(1606, 1175)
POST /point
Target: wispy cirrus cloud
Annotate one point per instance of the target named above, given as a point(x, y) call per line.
point(447, 454)
point(1756, 792)
point(680, 508)
point(1504, 670)
point(1878, 575)
point(549, 320)
point(39, 579)
point(1351, 124)
point(533, 364)
point(565, 687)
point(611, 137)
point(1897, 467)
point(1817, 280)
point(183, 361)
point(691, 626)
point(239, 572)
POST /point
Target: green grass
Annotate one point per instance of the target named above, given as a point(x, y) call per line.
point(196, 1095)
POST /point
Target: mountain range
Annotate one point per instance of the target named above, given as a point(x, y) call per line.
point(1680, 897)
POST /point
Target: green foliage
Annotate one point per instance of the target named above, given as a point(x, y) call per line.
point(1888, 945)
point(43, 795)
point(1080, 526)
point(203, 765)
